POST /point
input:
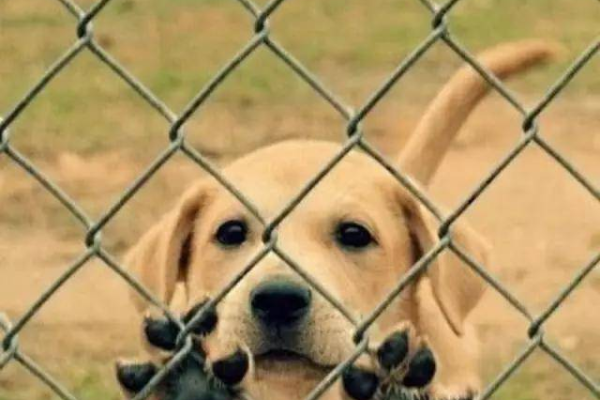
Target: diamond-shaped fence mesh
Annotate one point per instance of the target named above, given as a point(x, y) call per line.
point(85, 42)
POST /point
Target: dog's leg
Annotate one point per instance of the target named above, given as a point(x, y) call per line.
point(402, 367)
point(195, 377)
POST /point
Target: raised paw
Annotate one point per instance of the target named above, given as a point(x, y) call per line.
point(403, 367)
point(163, 333)
point(194, 377)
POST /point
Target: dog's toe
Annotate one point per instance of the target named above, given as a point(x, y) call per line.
point(187, 380)
point(394, 350)
point(231, 370)
point(133, 377)
point(206, 323)
point(403, 368)
point(421, 369)
point(360, 384)
point(161, 333)
point(193, 377)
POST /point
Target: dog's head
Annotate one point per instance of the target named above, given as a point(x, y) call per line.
point(356, 234)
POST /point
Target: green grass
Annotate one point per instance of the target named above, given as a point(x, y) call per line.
point(95, 386)
point(89, 385)
point(92, 386)
point(175, 47)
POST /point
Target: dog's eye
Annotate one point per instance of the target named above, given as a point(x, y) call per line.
point(353, 235)
point(232, 233)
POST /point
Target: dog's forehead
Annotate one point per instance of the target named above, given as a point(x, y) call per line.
point(272, 176)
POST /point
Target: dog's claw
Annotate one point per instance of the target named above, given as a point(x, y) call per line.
point(205, 324)
point(393, 351)
point(231, 370)
point(398, 372)
point(161, 333)
point(133, 377)
point(190, 378)
point(421, 369)
point(359, 384)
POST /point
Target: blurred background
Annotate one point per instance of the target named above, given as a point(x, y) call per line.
point(92, 135)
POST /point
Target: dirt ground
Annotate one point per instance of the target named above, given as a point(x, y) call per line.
point(543, 226)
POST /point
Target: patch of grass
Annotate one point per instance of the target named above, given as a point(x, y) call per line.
point(520, 387)
point(93, 386)
point(35, 20)
point(569, 23)
point(175, 47)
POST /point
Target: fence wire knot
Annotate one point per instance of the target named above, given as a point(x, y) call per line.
point(9, 348)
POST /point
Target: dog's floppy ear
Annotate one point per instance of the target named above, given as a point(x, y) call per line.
point(456, 287)
point(160, 258)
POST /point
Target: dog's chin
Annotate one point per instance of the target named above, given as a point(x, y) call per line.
point(286, 361)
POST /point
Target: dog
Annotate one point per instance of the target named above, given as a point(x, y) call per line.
point(357, 233)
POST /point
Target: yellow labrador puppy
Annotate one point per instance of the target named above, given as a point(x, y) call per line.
point(274, 336)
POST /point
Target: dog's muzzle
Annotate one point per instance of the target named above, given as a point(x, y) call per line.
point(280, 303)
point(283, 320)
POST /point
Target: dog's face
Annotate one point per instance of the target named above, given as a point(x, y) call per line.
point(356, 234)
point(351, 235)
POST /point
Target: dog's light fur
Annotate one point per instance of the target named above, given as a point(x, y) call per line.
point(180, 248)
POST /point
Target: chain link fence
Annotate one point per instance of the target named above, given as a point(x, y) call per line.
point(262, 37)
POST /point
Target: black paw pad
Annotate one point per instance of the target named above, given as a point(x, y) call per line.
point(161, 333)
point(359, 384)
point(393, 351)
point(133, 377)
point(207, 321)
point(231, 370)
point(421, 369)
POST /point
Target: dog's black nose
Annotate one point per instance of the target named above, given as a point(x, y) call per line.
point(280, 302)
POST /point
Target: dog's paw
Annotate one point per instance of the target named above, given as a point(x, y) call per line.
point(403, 367)
point(194, 377)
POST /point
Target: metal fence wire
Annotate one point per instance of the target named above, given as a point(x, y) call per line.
point(262, 37)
